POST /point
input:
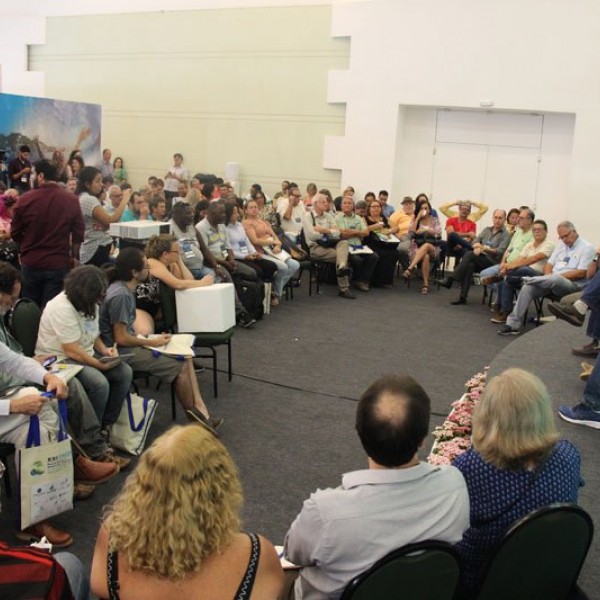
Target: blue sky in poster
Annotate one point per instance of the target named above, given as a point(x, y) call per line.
point(57, 123)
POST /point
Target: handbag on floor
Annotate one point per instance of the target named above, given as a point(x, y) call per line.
point(130, 430)
point(45, 472)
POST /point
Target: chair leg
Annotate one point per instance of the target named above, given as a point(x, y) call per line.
point(214, 357)
point(173, 402)
point(7, 479)
point(310, 278)
point(230, 367)
point(267, 300)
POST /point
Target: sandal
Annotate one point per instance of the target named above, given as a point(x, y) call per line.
point(408, 273)
point(425, 290)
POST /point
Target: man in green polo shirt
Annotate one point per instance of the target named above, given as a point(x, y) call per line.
point(354, 230)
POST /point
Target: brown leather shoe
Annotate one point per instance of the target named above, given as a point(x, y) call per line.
point(58, 538)
point(93, 472)
point(83, 491)
point(111, 456)
point(590, 350)
point(499, 317)
point(490, 280)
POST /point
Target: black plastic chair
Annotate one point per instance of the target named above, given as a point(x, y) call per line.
point(427, 570)
point(209, 341)
point(23, 322)
point(540, 556)
point(6, 451)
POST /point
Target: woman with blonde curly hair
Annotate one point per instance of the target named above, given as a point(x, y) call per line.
point(174, 530)
point(517, 464)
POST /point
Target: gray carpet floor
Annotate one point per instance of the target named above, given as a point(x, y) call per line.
point(289, 411)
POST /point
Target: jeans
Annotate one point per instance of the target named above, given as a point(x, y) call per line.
point(542, 286)
point(509, 286)
point(203, 272)
point(78, 579)
point(285, 271)
point(454, 240)
point(41, 286)
point(106, 390)
point(84, 423)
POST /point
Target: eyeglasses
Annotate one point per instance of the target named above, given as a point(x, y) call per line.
point(565, 236)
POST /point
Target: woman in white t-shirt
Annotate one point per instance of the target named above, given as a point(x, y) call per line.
point(69, 329)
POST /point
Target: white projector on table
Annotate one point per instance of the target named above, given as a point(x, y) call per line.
point(138, 230)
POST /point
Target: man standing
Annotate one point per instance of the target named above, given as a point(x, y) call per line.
point(488, 249)
point(19, 170)
point(398, 500)
point(564, 273)
point(105, 166)
point(48, 227)
point(175, 175)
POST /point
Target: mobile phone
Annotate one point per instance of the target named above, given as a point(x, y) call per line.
point(48, 362)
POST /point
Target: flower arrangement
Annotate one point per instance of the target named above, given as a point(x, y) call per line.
point(454, 436)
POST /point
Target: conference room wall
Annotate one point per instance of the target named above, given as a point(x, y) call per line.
point(536, 56)
point(242, 85)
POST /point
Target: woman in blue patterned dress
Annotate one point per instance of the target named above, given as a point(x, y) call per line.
point(516, 465)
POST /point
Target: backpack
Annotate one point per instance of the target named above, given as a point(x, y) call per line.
point(30, 574)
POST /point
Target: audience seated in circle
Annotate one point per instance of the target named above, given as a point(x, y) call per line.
point(488, 248)
point(69, 329)
point(117, 315)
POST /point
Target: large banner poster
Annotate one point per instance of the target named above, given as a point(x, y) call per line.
point(51, 128)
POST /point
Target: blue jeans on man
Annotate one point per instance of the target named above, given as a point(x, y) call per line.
point(541, 286)
point(510, 285)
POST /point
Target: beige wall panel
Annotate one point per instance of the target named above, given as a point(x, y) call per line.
point(244, 85)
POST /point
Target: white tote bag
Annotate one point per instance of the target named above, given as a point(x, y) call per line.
point(129, 431)
point(45, 473)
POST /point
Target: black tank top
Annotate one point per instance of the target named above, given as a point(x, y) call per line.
point(243, 592)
